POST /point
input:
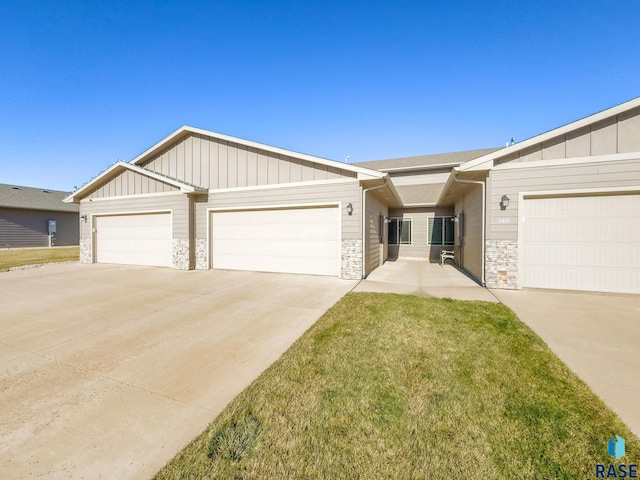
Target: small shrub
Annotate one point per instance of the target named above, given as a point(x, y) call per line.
point(236, 439)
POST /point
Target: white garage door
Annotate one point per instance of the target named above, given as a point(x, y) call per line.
point(302, 240)
point(141, 239)
point(582, 243)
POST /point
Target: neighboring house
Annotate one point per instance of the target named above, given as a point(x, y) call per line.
point(560, 210)
point(25, 215)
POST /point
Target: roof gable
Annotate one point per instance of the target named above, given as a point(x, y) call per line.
point(213, 160)
point(116, 171)
point(611, 131)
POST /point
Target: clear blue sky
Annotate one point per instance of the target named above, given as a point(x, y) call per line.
point(83, 84)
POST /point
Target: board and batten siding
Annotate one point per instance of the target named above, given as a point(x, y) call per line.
point(344, 192)
point(503, 224)
point(617, 134)
point(420, 247)
point(21, 228)
point(469, 244)
point(215, 164)
point(177, 203)
point(375, 250)
point(131, 183)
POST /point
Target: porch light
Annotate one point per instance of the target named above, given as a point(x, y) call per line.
point(84, 218)
point(504, 202)
point(349, 208)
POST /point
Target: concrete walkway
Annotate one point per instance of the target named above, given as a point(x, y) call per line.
point(420, 277)
point(108, 371)
point(596, 335)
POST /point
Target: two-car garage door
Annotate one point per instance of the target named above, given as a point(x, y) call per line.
point(582, 243)
point(288, 240)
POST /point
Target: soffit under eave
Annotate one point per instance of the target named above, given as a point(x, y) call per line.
point(454, 189)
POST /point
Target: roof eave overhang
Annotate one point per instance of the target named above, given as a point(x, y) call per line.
point(437, 166)
point(120, 166)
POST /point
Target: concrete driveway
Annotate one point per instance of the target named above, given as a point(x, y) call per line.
point(108, 371)
point(596, 335)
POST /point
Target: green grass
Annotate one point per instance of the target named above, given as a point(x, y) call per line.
point(32, 256)
point(401, 387)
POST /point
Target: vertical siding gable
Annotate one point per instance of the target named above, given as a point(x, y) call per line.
point(213, 163)
point(130, 183)
point(242, 167)
point(617, 134)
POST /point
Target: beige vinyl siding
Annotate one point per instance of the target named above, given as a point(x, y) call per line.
point(214, 164)
point(503, 224)
point(375, 251)
point(469, 247)
point(177, 203)
point(345, 192)
point(420, 247)
point(30, 228)
point(617, 134)
point(131, 183)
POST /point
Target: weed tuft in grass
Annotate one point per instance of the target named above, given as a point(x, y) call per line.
point(236, 439)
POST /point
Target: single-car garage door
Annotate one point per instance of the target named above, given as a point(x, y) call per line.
point(582, 243)
point(140, 239)
point(300, 240)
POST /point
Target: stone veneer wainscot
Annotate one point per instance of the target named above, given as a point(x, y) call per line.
point(501, 268)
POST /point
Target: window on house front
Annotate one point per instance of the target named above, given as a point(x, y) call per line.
point(400, 231)
point(441, 231)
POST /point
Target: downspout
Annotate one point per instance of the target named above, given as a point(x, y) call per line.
point(484, 200)
point(364, 221)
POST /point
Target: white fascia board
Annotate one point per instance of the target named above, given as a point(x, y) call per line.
point(93, 181)
point(248, 143)
point(435, 166)
point(569, 161)
point(447, 185)
point(120, 165)
point(185, 188)
point(486, 162)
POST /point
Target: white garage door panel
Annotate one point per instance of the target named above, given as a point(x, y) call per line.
point(143, 239)
point(582, 243)
point(304, 240)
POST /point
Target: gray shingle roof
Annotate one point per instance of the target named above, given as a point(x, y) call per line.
point(426, 193)
point(15, 196)
point(426, 160)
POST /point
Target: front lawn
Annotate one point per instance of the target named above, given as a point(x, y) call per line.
point(394, 386)
point(17, 257)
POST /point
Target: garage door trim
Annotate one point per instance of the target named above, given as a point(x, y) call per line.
point(576, 192)
point(93, 216)
point(279, 206)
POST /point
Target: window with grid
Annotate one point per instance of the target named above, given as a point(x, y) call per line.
point(441, 231)
point(400, 231)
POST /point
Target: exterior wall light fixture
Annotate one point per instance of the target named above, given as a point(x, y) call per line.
point(84, 218)
point(504, 202)
point(349, 208)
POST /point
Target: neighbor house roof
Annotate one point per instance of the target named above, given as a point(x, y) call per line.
point(16, 196)
point(118, 167)
point(438, 160)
